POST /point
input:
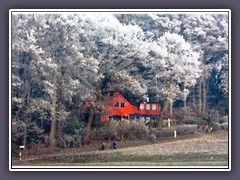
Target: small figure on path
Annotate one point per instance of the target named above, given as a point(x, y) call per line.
point(114, 145)
point(103, 146)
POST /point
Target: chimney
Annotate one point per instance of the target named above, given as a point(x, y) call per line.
point(147, 99)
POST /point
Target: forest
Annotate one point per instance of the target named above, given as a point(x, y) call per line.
point(60, 61)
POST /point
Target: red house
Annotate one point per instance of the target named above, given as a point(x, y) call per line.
point(118, 107)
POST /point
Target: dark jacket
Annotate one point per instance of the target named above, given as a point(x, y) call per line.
point(114, 145)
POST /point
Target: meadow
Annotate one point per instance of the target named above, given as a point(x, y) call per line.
point(204, 149)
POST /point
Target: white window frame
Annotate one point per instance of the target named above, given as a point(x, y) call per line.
point(154, 107)
point(148, 106)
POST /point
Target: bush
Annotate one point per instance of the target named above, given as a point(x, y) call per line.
point(223, 119)
point(216, 126)
point(108, 131)
point(14, 151)
point(34, 134)
point(120, 130)
point(165, 132)
point(181, 130)
point(152, 137)
point(199, 121)
point(72, 134)
point(138, 130)
point(69, 141)
point(225, 126)
point(123, 129)
point(212, 116)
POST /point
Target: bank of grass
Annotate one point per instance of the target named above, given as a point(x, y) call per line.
point(124, 144)
point(194, 150)
point(191, 158)
point(124, 158)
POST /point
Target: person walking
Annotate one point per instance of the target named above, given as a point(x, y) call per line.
point(103, 146)
point(115, 145)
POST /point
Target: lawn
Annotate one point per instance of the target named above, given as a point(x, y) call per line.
point(192, 150)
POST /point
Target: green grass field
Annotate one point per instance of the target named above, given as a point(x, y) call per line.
point(194, 150)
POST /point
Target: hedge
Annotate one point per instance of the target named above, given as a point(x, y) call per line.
point(181, 130)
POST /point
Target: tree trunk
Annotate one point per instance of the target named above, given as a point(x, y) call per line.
point(200, 98)
point(194, 99)
point(28, 90)
point(171, 103)
point(98, 96)
point(207, 89)
point(204, 96)
point(163, 111)
point(59, 127)
point(89, 122)
point(171, 109)
point(184, 98)
point(53, 114)
point(41, 121)
point(156, 89)
point(25, 135)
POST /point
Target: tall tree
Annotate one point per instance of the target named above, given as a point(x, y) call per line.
point(174, 64)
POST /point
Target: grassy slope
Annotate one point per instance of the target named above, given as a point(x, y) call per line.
point(200, 150)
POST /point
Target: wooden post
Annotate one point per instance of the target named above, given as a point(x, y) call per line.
point(20, 155)
point(20, 152)
point(169, 122)
point(175, 134)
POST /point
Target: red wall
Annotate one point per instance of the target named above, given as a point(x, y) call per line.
point(150, 111)
point(111, 110)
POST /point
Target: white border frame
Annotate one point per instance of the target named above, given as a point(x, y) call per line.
point(120, 168)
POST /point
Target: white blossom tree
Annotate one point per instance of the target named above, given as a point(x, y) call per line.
point(176, 67)
point(76, 53)
point(56, 57)
point(206, 32)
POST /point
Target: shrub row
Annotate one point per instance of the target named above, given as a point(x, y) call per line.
point(200, 122)
point(121, 130)
point(181, 130)
point(218, 126)
point(225, 126)
point(132, 130)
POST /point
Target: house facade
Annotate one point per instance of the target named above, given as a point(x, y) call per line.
point(118, 107)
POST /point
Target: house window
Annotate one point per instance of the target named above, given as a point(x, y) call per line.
point(141, 106)
point(122, 104)
point(154, 107)
point(117, 104)
point(148, 106)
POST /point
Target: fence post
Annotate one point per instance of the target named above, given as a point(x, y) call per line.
point(169, 122)
point(175, 133)
point(20, 152)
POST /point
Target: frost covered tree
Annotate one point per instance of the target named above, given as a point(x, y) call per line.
point(121, 52)
point(56, 61)
point(175, 66)
point(76, 54)
point(206, 32)
point(24, 74)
